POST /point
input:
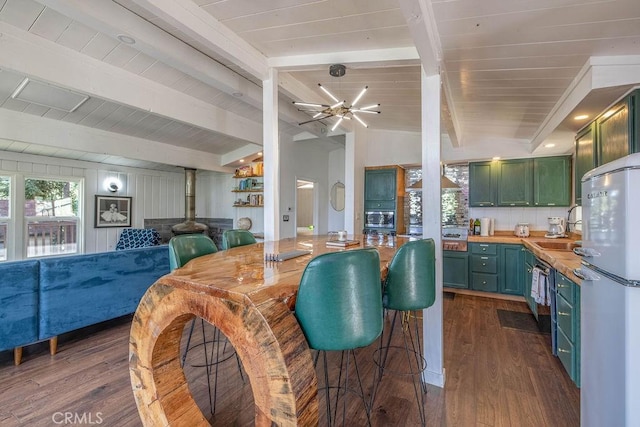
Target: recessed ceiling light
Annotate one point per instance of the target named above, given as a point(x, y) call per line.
point(241, 160)
point(495, 158)
point(237, 94)
point(550, 145)
point(581, 117)
point(126, 39)
point(260, 153)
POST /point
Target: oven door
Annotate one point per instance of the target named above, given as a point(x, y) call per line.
point(379, 219)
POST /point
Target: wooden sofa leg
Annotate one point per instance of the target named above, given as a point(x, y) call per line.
point(53, 345)
point(17, 356)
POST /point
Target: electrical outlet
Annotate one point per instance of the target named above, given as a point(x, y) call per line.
point(285, 218)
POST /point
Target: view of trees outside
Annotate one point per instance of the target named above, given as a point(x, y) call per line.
point(51, 209)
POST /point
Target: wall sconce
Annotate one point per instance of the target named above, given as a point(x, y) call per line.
point(112, 185)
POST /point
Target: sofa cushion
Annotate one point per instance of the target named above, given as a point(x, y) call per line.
point(82, 290)
point(18, 303)
point(132, 238)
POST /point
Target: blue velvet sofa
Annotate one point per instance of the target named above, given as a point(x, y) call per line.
point(41, 299)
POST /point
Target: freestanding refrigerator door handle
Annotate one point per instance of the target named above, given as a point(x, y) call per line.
point(585, 275)
point(585, 252)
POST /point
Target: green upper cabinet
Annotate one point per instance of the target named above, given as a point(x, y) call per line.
point(380, 185)
point(552, 181)
point(585, 157)
point(482, 186)
point(515, 182)
point(613, 133)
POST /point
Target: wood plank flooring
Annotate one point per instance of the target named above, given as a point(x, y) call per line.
point(495, 376)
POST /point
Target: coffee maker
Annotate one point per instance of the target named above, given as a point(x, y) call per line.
point(556, 227)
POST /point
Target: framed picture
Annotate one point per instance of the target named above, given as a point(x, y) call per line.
point(113, 211)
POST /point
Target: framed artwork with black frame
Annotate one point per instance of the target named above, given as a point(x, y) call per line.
point(113, 211)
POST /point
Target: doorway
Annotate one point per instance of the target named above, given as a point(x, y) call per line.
point(305, 207)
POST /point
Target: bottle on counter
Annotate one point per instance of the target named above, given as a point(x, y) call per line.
point(476, 227)
point(471, 222)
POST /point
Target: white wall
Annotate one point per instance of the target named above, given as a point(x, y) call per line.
point(308, 161)
point(392, 148)
point(155, 194)
point(335, 219)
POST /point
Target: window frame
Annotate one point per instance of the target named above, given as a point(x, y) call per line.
point(80, 220)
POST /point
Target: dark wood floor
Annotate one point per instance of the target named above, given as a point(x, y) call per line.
point(495, 376)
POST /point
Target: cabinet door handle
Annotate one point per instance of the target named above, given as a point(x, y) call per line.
point(484, 282)
point(564, 313)
point(484, 257)
point(484, 264)
point(562, 350)
point(563, 286)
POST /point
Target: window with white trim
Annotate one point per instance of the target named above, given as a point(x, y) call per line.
point(52, 216)
point(5, 214)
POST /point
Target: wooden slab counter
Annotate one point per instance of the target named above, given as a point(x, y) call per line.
point(251, 302)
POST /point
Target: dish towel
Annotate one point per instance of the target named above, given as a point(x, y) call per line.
point(535, 278)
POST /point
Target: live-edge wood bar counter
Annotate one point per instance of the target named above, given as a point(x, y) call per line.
point(251, 301)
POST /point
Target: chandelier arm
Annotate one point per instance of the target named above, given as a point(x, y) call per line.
point(314, 120)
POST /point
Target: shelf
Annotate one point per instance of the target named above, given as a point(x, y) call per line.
point(248, 206)
point(248, 176)
point(248, 191)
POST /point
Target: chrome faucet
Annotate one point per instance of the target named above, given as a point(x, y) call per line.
point(569, 217)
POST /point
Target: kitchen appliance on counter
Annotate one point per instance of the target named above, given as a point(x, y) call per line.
point(454, 238)
point(610, 295)
point(522, 229)
point(556, 227)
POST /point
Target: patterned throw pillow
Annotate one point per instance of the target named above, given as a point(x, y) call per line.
point(131, 238)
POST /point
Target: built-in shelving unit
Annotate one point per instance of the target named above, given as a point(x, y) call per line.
point(249, 184)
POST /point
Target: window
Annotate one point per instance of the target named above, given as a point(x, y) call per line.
point(5, 214)
point(52, 216)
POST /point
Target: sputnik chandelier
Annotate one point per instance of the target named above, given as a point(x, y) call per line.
point(339, 109)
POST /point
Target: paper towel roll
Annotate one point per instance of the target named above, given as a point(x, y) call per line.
point(484, 226)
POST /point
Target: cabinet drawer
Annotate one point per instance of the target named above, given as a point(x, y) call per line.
point(566, 354)
point(380, 205)
point(484, 264)
point(484, 248)
point(565, 318)
point(566, 288)
point(484, 282)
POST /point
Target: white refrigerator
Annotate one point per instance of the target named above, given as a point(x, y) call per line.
point(610, 295)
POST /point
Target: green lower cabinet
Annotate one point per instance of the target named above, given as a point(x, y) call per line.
point(512, 263)
point(455, 269)
point(568, 325)
point(483, 267)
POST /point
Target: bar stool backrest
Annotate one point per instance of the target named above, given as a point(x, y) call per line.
point(233, 238)
point(411, 281)
point(339, 301)
point(185, 247)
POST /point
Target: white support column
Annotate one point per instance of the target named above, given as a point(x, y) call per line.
point(354, 180)
point(271, 156)
point(431, 223)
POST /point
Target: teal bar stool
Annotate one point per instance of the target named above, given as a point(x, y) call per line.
point(233, 238)
point(339, 308)
point(182, 249)
point(410, 285)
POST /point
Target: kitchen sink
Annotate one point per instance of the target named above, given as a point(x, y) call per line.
point(556, 245)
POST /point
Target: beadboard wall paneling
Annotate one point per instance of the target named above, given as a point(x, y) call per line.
point(155, 194)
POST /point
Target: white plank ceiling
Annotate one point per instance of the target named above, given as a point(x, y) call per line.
point(509, 67)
